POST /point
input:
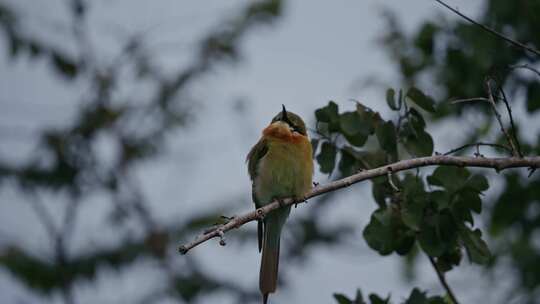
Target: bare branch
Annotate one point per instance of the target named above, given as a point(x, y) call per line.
point(490, 30)
point(442, 279)
point(527, 67)
point(43, 214)
point(512, 125)
point(442, 160)
point(499, 119)
point(469, 99)
point(477, 145)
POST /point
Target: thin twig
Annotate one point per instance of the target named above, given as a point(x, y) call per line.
point(499, 119)
point(442, 279)
point(43, 214)
point(479, 144)
point(391, 182)
point(512, 125)
point(490, 30)
point(469, 99)
point(527, 67)
point(441, 160)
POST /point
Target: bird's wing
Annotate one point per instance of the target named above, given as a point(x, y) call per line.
point(253, 158)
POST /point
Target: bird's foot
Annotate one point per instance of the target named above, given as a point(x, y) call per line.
point(315, 184)
point(281, 202)
point(299, 200)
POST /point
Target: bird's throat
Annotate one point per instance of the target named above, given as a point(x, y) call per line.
point(281, 131)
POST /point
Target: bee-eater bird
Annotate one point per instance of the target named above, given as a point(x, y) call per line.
point(280, 166)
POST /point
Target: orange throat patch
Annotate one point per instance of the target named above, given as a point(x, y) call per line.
point(282, 132)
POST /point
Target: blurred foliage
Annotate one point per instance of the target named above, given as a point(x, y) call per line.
point(67, 164)
point(416, 297)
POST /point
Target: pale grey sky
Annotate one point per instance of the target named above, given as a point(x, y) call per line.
point(313, 54)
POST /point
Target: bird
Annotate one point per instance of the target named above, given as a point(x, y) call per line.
point(280, 165)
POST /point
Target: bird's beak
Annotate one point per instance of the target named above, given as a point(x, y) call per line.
point(284, 114)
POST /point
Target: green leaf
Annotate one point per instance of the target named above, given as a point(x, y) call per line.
point(461, 209)
point(386, 135)
point(359, 297)
point(381, 190)
point(375, 299)
point(423, 101)
point(391, 99)
point(327, 114)
point(438, 234)
point(323, 128)
point(449, 259)
point(386, 233)
point(465, 188)
point(477, 249)
point(354, 128)
point(420, 144)
point(357, 140)
point(417, 297)
point(533, 97)
point(430, 241)
point(350, 123)
point(379, 232)
point(327, 158)
point(371, 159)
point(469, 199)
point(342, 299)
point(420, 297)
point(441, 199)
point(451, 178)
point(438, 300)
point(369, 118)
point(416, 119)
point(412, 212)
point(478, 182)
point(414, 201)
point(347, 163)
point(404, 241)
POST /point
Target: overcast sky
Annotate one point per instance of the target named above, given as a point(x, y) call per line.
point(319, 51)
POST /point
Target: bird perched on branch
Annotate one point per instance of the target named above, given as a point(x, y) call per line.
point(280, 166)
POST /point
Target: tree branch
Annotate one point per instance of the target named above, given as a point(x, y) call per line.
point(527, 67)
point(490, 30)
point(442, 160)
point(442, 279)
point(469, 99)
point(515, 150)
point(512, 124)
point(493, 145)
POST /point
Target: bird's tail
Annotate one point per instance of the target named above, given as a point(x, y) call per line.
point(270, 258)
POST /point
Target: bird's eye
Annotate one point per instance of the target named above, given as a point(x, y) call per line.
point(295, 129)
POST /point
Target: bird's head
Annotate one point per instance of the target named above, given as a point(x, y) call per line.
point(286, 126)
point(289, 120)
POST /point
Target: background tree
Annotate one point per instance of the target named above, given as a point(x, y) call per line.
point(455, 59)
